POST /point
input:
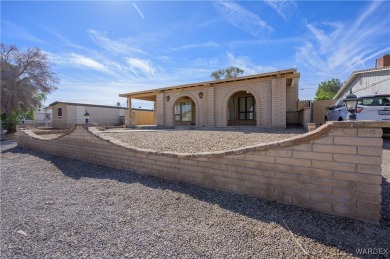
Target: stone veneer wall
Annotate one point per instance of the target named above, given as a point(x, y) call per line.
point(335, 169)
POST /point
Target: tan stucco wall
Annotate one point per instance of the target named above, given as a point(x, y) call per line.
point(74, 114)
point(102, 116)
point(60, 121)
point(273, 98)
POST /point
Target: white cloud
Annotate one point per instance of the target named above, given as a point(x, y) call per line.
point(284, 8)
point(206, 62)
point(139, 11)
point(142, 65)
point(199, 45)
point(165, 59)
point(114, 46)
point(16, 31)
point(369, 11)
point(326, 38)
point(87, 62)
point(336, 49)
point(247, 65)
point(243, 19)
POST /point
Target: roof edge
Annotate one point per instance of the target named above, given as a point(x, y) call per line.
point(353, 75)
point(241, 78)
point(85, 104)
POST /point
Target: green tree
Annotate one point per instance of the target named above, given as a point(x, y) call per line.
point(327, 90)
point(26, 78)
point(229, 72)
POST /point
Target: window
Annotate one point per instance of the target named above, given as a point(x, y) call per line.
point(246, 108)
point(375, 101)
point(183, 111)
point(59, 112)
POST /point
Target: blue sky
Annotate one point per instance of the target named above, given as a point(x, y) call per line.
point(103, 48)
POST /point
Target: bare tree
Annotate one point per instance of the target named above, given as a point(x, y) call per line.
point(26, 78)
point(229, 72)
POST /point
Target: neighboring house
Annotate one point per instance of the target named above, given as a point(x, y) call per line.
point(370, 81)
point(43, 117)
point(262, 100)
point(66, 114)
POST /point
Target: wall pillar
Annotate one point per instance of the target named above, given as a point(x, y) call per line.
point(155, 113)
point(160, 109)
point(210, 109)
point(129, 115)
point(278, 89)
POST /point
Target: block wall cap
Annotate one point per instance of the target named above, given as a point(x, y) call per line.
point(359, 124)
point(298, 140)
point(306, 138)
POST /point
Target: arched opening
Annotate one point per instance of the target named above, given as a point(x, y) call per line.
point(242, 109)
point(185, 112)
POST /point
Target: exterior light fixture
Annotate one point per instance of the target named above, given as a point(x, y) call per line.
point(351, 104)
point(200, 95)
point(86, 116)
point(168, 98)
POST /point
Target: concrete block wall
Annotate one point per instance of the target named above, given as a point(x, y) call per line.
point(292, 96)
point(212, 109)
point(305, 116)
point(200, 106)
point(210, 106)
point(278, 112)
point(293, 118)
point(160, 109)
point(335, 169)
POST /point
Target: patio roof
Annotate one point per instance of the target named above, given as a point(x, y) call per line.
point(150, 95)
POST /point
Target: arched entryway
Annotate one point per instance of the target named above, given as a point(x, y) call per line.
point(242, 109)
point(184, 111)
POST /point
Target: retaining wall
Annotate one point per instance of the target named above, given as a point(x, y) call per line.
point(335, 169)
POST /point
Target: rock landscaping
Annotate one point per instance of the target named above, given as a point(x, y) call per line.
point(202, 140)
point(56, 207)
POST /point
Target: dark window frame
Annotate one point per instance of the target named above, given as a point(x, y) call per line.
point(180, 114)
point(246, 112)
point(59, 112)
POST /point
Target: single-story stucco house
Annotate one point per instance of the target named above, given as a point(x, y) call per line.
point(66, 114)
point(369, 81)
point(262, 100)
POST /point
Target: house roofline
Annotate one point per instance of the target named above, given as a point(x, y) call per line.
point(85, 104)
point(352, 77)
point(281, 73)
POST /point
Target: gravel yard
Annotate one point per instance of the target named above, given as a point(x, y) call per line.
point(202, 140)
point(55, 207)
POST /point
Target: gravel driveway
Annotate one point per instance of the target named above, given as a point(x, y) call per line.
point(55, 207)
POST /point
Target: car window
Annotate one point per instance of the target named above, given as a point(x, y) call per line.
point(339, 103)
point(374, 101)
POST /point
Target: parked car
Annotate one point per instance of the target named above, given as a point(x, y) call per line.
point(370, 107)
point(336, 112)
